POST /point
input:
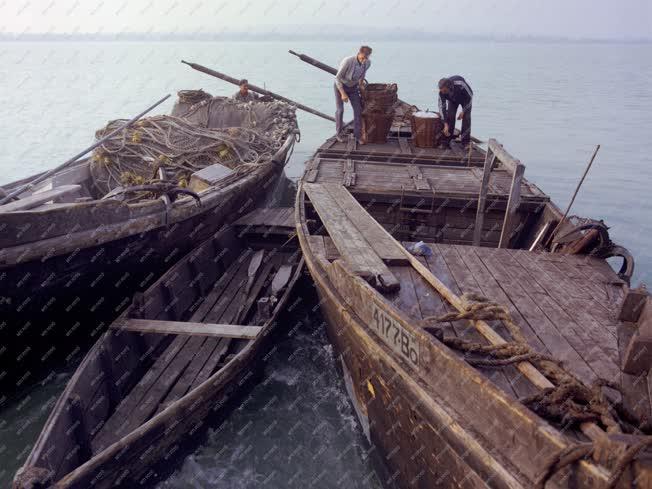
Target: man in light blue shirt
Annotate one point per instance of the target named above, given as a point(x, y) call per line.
point(348, 80)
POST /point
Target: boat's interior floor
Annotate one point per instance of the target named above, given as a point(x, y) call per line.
point(566, 306)
point(189, 360)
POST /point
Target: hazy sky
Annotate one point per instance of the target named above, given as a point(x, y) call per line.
point(568, 18)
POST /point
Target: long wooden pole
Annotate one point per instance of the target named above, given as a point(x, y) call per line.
point(47, 174)
point(577, 189)
point(256, 89)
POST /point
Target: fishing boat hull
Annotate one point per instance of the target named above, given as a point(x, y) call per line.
point(437, 420)
point(439, 423)
point(52, 290)
point(97, 435)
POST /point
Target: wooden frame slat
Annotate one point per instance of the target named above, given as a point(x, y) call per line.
point(192, 329)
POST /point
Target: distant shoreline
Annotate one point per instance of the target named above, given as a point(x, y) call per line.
point(266, 37)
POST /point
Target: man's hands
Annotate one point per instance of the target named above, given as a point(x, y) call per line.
point(345, 97)
point(447, 131)
point(461, 116)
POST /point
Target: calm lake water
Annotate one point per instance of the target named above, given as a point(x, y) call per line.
point(548, 103)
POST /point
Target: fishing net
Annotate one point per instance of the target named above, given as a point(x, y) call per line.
point(201, 131)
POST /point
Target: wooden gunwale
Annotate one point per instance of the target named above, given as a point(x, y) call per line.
point(181, 210)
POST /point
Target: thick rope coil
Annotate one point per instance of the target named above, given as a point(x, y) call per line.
point(569, 402)
point(575, 453)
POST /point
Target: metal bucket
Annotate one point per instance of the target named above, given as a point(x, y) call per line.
point(426, 129)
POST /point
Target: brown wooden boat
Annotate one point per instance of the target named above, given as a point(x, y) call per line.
point(171, 363)
point(73, 253)
point(420, 333)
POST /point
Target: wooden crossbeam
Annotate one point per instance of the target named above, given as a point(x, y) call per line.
point(191, 329)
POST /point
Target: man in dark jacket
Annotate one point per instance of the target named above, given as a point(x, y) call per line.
point(454, 92)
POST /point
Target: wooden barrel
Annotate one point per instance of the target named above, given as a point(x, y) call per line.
point(426, 128)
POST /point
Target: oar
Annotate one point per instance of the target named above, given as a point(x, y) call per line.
point(254, 265)
point(329, 69)
point(254, 88)
point(45, 175)
point(281, 279)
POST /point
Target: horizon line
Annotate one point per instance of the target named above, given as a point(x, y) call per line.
point(317, 35)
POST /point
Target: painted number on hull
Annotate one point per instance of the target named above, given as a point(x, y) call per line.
point(396, 336)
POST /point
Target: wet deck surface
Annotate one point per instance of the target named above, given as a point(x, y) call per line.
point(566, 305)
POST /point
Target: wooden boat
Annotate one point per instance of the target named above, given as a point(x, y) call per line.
point(443, 416)
point(71, 254)
point(169, 364)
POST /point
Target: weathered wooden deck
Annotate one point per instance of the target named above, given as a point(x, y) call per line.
point(190, 360)
point(442, 181)
point(566, 305)
point(401, 148)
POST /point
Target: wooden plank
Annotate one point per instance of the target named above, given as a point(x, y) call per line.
point(404, 146)
point(508, 161)
point(351, 244)
point(271, 216)
point(547, 332)
point(316, 245)
point(635, 389)
point(39, 198)
point(509, 225)
point(313, 170)
point(420, 182)
point(253, 293)
point(360, 218)
point(349, 177)
point(482, 197)
point(465, 283)
point(331, 249)
point(575, 308)
point(405, 298)
point(637, 358)
point(119, 422)
point(183, 383)
point(192, 329)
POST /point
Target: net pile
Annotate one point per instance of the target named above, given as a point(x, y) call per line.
point(212, 131)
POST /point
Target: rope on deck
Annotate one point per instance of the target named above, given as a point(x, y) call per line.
point(570, 402)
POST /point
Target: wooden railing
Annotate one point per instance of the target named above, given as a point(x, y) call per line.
point(495, 151)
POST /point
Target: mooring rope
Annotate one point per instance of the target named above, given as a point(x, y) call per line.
point(569, 401)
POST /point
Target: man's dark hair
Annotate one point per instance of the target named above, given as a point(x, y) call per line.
point(365, 48)
point(445, 82)
point(244, 81)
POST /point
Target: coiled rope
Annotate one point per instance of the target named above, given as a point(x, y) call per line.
point(134, 157)
point(569, 402)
